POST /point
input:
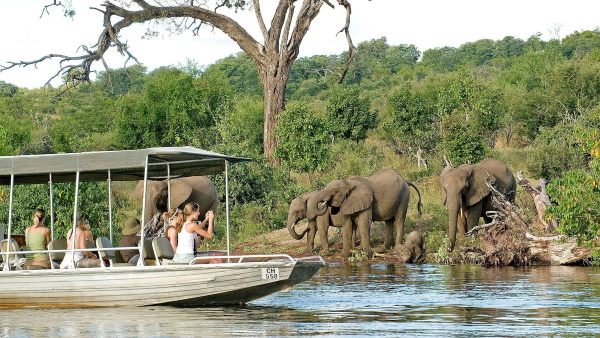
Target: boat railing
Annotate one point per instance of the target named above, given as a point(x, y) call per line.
point(224, 258)
point(9, 252)
point(242, 258)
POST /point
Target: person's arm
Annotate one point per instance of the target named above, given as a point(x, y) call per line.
point(89, 236)
point(46, 233)
point(198, 228)
point(81, 239)
point(172, 232)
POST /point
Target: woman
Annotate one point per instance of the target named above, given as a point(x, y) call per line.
point(187, 232)
point(174, 219)
point(37, 237)
point(82, 259)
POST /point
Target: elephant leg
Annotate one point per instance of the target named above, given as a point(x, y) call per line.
point(363, 221)
point(323, 229)
point(389, 234)
point(399, 220)
point(310, 237)
point(472, 215)
point(347, 237)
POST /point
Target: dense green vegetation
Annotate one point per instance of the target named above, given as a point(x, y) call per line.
point(533, 104)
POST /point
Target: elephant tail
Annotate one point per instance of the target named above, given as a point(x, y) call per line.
point(419, 204)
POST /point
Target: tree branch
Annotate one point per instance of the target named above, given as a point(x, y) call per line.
point(259, 18)
point(346, 30)
point(77, 68)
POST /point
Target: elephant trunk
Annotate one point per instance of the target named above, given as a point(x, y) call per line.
point(322, 204)
point(291, 226)
point(453, 214)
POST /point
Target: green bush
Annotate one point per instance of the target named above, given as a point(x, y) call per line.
point(460, 142)
point(576, 197)
point(349, 115)
point(303, 145)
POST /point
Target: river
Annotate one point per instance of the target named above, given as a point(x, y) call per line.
point(363, 300)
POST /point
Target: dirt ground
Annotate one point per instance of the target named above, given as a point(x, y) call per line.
point(280, 242)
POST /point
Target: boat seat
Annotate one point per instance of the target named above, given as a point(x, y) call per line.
point(15, 259)
point(104, 243)
point(148, 253)
point(57, 244)
point(163, 250)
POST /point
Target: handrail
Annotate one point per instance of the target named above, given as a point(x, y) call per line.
point(242, 257)
point(68, 250)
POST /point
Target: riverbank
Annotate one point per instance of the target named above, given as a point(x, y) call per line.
point(280, 242)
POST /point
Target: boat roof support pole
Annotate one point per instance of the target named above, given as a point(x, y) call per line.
point(10, 204)
point(110, 213)
point(73, 235)
point(141, 260)
point(168, 187)
point(227, 208)
point(51, 207)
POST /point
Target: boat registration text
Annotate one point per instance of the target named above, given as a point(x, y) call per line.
point(270, 273)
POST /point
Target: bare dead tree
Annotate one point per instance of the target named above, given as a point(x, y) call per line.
point(273, 56)
point(447, 161)
point(507, 240)
point(540, 199)
point(421, 160)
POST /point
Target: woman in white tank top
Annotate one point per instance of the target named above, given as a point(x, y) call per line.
point(187, 232)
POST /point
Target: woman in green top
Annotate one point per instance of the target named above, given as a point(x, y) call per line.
point(37, 238)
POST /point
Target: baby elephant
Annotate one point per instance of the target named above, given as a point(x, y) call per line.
point(412, 251)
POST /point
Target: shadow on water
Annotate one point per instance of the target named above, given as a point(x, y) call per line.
point(363, 299)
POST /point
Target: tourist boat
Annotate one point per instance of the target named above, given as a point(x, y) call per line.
point(237, 280)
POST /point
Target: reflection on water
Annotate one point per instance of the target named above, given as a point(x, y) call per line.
point(374, 300)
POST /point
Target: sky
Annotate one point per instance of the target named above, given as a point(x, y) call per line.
point(27, 35)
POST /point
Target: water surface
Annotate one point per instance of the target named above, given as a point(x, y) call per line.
point(363, 300)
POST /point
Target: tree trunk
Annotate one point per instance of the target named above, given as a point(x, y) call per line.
point(274, 76)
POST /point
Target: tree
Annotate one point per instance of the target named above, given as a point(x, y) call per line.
point(304, 144)
point(349, 115)
point(412, 119)
point(460, 142)
point(7, 89)
point(173, 108)
point(273, 57)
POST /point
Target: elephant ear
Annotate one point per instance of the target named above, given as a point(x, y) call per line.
point(478, 189)
point(180, 192)
point(359, 198)
point(448, 169)
point(310, 202)
point(139, 191)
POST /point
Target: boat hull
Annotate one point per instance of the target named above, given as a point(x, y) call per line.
point(174, 285)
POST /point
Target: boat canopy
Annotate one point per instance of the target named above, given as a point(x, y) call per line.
point(120, 165)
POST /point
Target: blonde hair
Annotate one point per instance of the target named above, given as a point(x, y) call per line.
point(38, 217)
point(173, 212)
point(189, 208)
point(84, 224)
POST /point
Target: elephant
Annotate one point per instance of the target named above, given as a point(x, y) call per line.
point(413, 249)
point(467, 197)
point(383, 196)
point(304, 206)
point(198, 189)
